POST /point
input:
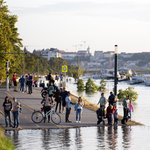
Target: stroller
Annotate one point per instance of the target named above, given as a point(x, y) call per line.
point(101, 114)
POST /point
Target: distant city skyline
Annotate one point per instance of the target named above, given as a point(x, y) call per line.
point(63, 24)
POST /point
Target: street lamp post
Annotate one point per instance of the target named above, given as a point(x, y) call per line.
point(116, 70)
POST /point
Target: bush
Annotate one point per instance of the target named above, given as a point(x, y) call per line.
point(80, 85)
point(129, 91)
point(102, 86)
point(90, 86)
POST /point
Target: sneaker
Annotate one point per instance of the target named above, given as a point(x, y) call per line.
point(22, 92)
point(64, 112)
point(11, 126)
point(69, 121)
point(76, 121)
point(79, 121)
point(6, 126)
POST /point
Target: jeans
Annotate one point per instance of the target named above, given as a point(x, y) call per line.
point(30, 87)
point(110, 119)
point(7, 114)
point(22, 88)
point(67, 114)
point(130, 114)
point(58, 103)
point(16, 118)
point(78, 112)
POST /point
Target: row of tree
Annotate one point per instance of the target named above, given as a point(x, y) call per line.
point(91, 87)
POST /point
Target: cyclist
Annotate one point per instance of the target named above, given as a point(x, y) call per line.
point(46, 106)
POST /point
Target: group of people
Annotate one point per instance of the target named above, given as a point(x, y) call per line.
point(14, 108)
point(111, 112)
point(25, 83)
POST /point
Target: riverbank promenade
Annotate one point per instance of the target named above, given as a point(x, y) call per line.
point(33, 102)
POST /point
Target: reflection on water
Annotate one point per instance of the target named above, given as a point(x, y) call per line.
point(112, 137)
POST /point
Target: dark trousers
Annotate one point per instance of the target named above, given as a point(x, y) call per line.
point(30, 87)
point(46, 109)
point(67, 114)
point(110, 119)
point(126, 110)
point(58, 103)
point(7, 114)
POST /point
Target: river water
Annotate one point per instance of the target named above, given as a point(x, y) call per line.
point(93, 138)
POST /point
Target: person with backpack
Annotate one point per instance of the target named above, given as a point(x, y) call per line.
point(15, 111)
point(7, 109)
point(78, 109)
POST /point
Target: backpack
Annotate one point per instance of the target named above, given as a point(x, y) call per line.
point(20, 109)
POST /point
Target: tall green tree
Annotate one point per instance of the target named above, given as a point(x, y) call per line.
point(9, 41)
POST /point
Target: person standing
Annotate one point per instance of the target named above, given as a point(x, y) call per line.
point(51, 90)
point(15, 81)
point(15, 111)
point(61, 80)
point(58, 95)
point(30, 80)
point(26, 82)
point(7, 109)
point(22, 82)
point(56, 77)
point(111, 98)
point(126, 106)
point(68, 107)
point(79, 106)
point(64, 94)
point(46, 101)
point(130, 109)
point(49, 78)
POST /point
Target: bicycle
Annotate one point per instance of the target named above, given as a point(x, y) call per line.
point(38, 117)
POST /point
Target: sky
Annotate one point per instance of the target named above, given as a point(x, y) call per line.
point(73, 25)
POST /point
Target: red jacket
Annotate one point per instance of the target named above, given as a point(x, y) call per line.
point(110, 111)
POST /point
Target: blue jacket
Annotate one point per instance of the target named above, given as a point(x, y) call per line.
point(22, 80)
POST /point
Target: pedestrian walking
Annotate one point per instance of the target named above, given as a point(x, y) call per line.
point(68, 107)
point(130, 109)
point(102, 101)
point(126, 106)
point(30, 80)
point(15, 111)
point(46, 106)
point(64, 94)
point(79, 108)
point(7, 109)
point(15, 81)
point(58, 95)
point(22, 82)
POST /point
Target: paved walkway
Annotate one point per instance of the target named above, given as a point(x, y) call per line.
point(32, 102)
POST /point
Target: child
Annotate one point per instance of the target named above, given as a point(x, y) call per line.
point(110, 111)
point(130, 109)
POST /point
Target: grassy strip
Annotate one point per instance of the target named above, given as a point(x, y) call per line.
point(5, 143)
point(94, 107)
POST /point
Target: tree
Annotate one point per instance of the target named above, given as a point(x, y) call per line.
point(129, 91)
point(102, 86)
point(80, 85)
point(9, 42)
point(90, 86)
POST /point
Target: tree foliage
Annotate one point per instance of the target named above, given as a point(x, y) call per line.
point(80, 85)
point(129, 91)
point(102, 86)
point(90, 86)
point(9, 41)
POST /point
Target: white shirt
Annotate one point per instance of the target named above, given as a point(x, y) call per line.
point(80, 107)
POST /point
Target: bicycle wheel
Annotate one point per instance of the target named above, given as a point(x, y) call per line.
point(44, 94)
point(56, 118)
point(37, 117)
